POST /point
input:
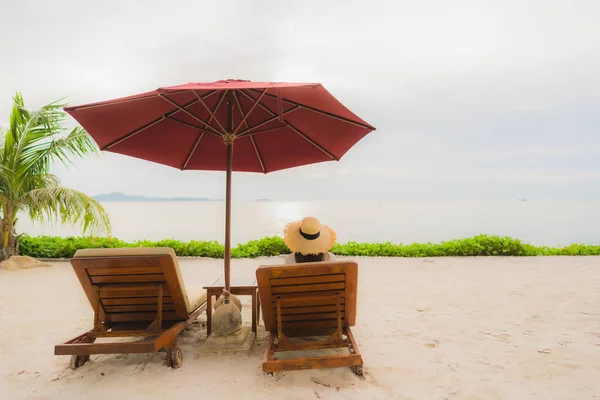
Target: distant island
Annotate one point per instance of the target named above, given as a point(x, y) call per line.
point(117, 196)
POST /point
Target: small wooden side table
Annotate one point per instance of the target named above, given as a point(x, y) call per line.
point(239, 287)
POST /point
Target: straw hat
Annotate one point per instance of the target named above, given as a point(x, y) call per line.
point(309, 236)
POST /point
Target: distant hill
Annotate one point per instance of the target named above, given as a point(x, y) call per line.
point(117, 196)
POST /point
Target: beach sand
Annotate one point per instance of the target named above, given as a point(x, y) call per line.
point(441, 328)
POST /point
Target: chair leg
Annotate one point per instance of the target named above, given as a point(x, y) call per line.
point(353, 348)
point(79, 360)
point(269, 353)
point(174, 356)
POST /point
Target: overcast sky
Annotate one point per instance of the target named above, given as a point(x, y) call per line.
point(471, 99)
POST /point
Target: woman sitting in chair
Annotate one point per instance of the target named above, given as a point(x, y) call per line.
point(309, 241)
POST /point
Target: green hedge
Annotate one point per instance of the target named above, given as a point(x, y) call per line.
point(481, 245)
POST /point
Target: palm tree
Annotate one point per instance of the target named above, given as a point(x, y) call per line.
point(31, 143)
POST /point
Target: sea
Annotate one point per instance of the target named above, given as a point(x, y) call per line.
point(548, 222)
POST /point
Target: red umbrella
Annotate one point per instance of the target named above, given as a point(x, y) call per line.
point(262, 126)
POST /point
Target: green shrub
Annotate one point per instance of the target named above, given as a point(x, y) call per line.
point(63, 247)
point(484, 245)
point(269, 246)
point(194, 248)
point(480, 245)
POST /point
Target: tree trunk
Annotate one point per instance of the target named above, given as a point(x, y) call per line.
point(9, 238)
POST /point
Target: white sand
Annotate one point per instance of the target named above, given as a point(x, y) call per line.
point(474, 328)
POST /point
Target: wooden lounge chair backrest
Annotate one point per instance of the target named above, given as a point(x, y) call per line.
point(308, 295)
point(128, 282)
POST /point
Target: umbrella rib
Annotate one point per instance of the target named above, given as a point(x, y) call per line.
point(239, 106)
point(299, 132)
point(134, 132)
point(189, 156)
point(292, 127)
point(260, 160)
point(112, 102)
point(193, 126)
point(262, 131)
point(266, 121)
point(316, 110)
point(262, 105)
point(245, 122)
point(212, 115)
point(256, 102)
point(224, 132)
point(211, 118)
point(202, 132)
point(273, 118)
point(149, 124)
point(189, 112)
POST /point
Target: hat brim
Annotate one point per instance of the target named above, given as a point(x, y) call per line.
point(298, 244)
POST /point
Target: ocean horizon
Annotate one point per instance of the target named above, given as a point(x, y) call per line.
point(548, 222)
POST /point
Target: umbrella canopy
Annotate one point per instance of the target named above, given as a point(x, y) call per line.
point(230, 125)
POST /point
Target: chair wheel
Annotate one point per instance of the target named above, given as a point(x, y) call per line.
point(78, 360)
point(175, 357)
point(357, 369)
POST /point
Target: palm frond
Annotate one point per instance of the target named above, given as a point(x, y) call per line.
point(67, 205)
point(37, 138)
point(33, 141)
point(77, 143)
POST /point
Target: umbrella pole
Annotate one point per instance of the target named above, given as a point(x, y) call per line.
point(227, 255)
point(229, 146)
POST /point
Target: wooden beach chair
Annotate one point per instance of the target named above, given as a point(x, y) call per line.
point(134, 292)
point(309, 300)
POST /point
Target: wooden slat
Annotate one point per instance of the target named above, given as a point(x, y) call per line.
point(136, 325)
point(124, 271)
point(105, 348)
point(124, 279)
point(301, 300)
point(306, 310)
point(140, 316)
point(134, 300)
point(328, 323)
point(121, 294)
point(309, 317)
point(138, 308)
point(306, 270)
point(307, 288)
point(311, 331)
point(304, 295)
point(120, 261)
point(311, 363)
point(309, 345)
point(114, 293)
point(122, 334)
point(132, 287)
point(307, 280)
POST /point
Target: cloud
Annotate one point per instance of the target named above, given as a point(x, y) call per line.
point(468, 97)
